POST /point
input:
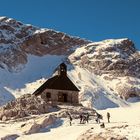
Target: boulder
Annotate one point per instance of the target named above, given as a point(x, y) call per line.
point(10, 137)
point(37, 125)
point(24, 106)
point(31, 128)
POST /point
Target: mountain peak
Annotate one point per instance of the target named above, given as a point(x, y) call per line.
point(23, 39)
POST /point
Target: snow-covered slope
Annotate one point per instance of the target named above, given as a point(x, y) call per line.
point(33, 75)
point(93, 92)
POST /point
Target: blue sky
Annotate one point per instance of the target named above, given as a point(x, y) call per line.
point(91, 19)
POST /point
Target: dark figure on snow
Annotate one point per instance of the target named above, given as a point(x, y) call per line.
point(98, 118)
point(102, 125)
point(108, 117)
point(81, 117)
point(70, 118)
point(87, 117)
point(84, 118)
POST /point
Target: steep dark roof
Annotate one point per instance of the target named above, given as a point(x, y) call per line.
point(57, 82)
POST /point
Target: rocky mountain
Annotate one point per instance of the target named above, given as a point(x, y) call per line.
point(115, 62)
point(17, 40)
point(106, 72)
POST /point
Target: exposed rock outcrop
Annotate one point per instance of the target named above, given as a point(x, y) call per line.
point(37, 125)
point(107, 134)
point(115, 61)
point(118, 57)
point(24, 106)
point(10, 137)
point(50, 42)
point(75, 111)
point(17, 40)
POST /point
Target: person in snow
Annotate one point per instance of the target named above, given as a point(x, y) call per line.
point(70, 118)
point(81, 118)
point(98, 117)
point(108, 117)
point(87, 117)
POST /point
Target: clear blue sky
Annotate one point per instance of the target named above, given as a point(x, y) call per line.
point(91, 19)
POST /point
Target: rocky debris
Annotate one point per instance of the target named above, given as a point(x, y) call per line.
point(41, 122)
point(75, 111)
point(126, 92)
point(24, 106)
point(38, 124)
point(10, 137)
point(105, 135)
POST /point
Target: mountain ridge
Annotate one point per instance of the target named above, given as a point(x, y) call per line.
point(19, 40)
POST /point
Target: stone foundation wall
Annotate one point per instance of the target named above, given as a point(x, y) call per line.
point(72, 96)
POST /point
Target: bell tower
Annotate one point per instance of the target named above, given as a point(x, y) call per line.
point(62, 70)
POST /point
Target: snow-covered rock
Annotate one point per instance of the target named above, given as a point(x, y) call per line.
point(17, 40)
point(107, 134)
point(24, 106)
point(114, 66)
point(10, 137)
point(36, 126)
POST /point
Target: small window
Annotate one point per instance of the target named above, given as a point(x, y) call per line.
point(42, 42)
point(48, 95)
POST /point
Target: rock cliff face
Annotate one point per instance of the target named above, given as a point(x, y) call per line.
point(118, 57)
point(17, 40)
point(115, 61)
